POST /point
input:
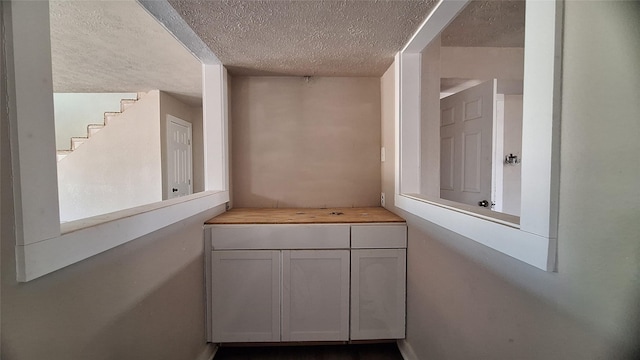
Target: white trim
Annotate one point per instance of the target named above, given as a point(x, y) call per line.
point(396, 126)
point(214, 110)
point(406, 350)
point(497, 163)
point(441, 15)
point(171, 20)
point(530, 248)
point(410, 100)
point(534, 242)
point(33, 155)
point(41, 258)
point(43, 245)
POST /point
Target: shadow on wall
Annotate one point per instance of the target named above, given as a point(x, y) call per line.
point(300, 142)
point(459, 306)
point(140, 300)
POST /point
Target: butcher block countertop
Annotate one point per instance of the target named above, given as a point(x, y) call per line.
point(306, 216)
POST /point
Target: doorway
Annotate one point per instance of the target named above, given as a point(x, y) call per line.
point(179, 158)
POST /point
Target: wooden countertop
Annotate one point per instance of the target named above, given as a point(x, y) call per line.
point(306, 216)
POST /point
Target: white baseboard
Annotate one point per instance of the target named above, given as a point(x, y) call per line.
point(406, 350)
point(209, 352)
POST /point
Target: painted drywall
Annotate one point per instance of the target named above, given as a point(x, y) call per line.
point(117, 168)
point(512, 145)
point(74, 111)
point(141, 300)
point(198, 150)
point(301, 142)
point(466, 301)
point(387, 135)
point(430, 64)
point(482, 62)
point(169, 105)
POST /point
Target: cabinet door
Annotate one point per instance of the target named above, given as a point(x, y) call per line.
point(378, 290)
point(245, 296)
point(315, 298)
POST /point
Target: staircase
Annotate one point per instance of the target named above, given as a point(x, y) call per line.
point(92, 129)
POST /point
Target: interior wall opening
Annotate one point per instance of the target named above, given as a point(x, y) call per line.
point(472, 82)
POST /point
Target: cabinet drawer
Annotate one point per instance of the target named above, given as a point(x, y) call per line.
point(378, 236)
point(274, 237)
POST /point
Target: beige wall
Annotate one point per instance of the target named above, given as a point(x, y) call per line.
point(482, 62)
point(466, 301)
point(299, 143)
point(140, 300)
point(430, 68)
point(118, 168)
point(169, 105)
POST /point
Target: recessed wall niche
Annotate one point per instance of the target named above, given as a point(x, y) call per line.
point(305, 141)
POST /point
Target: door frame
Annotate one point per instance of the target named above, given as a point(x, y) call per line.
point(458, 129)
point(189, 126)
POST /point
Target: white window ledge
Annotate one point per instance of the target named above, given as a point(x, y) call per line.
point(505, 237)
point(84, 238)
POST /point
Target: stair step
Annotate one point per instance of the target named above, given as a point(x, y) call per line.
point(61, 154)
point(77, 141)
point(109, 116)
point(93, 128)
point(126, 103)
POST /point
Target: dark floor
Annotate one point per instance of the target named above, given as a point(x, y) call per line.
point(322, 352)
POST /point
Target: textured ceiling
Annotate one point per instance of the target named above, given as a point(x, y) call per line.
point(487, 23)
point(116, 46)
point(323, 38)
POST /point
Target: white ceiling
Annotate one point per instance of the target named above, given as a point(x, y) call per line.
point(116, 46)
point(288, 37)
point(494, 23)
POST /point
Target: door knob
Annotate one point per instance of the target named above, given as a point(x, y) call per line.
point(483, 203)
point(174, 189)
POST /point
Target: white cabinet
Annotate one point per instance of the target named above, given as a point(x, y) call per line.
point(315, 295)
point(248, 294)
point(329, 282)
point(378, 281)
point(378, 278)
point(245, 296)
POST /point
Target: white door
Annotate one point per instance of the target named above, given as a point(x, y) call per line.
point(378, 292)
point(245, 296)
point(179, 163)
point(466, 134)
point(315, 295)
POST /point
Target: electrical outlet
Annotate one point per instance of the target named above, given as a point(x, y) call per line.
point(382, 203)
